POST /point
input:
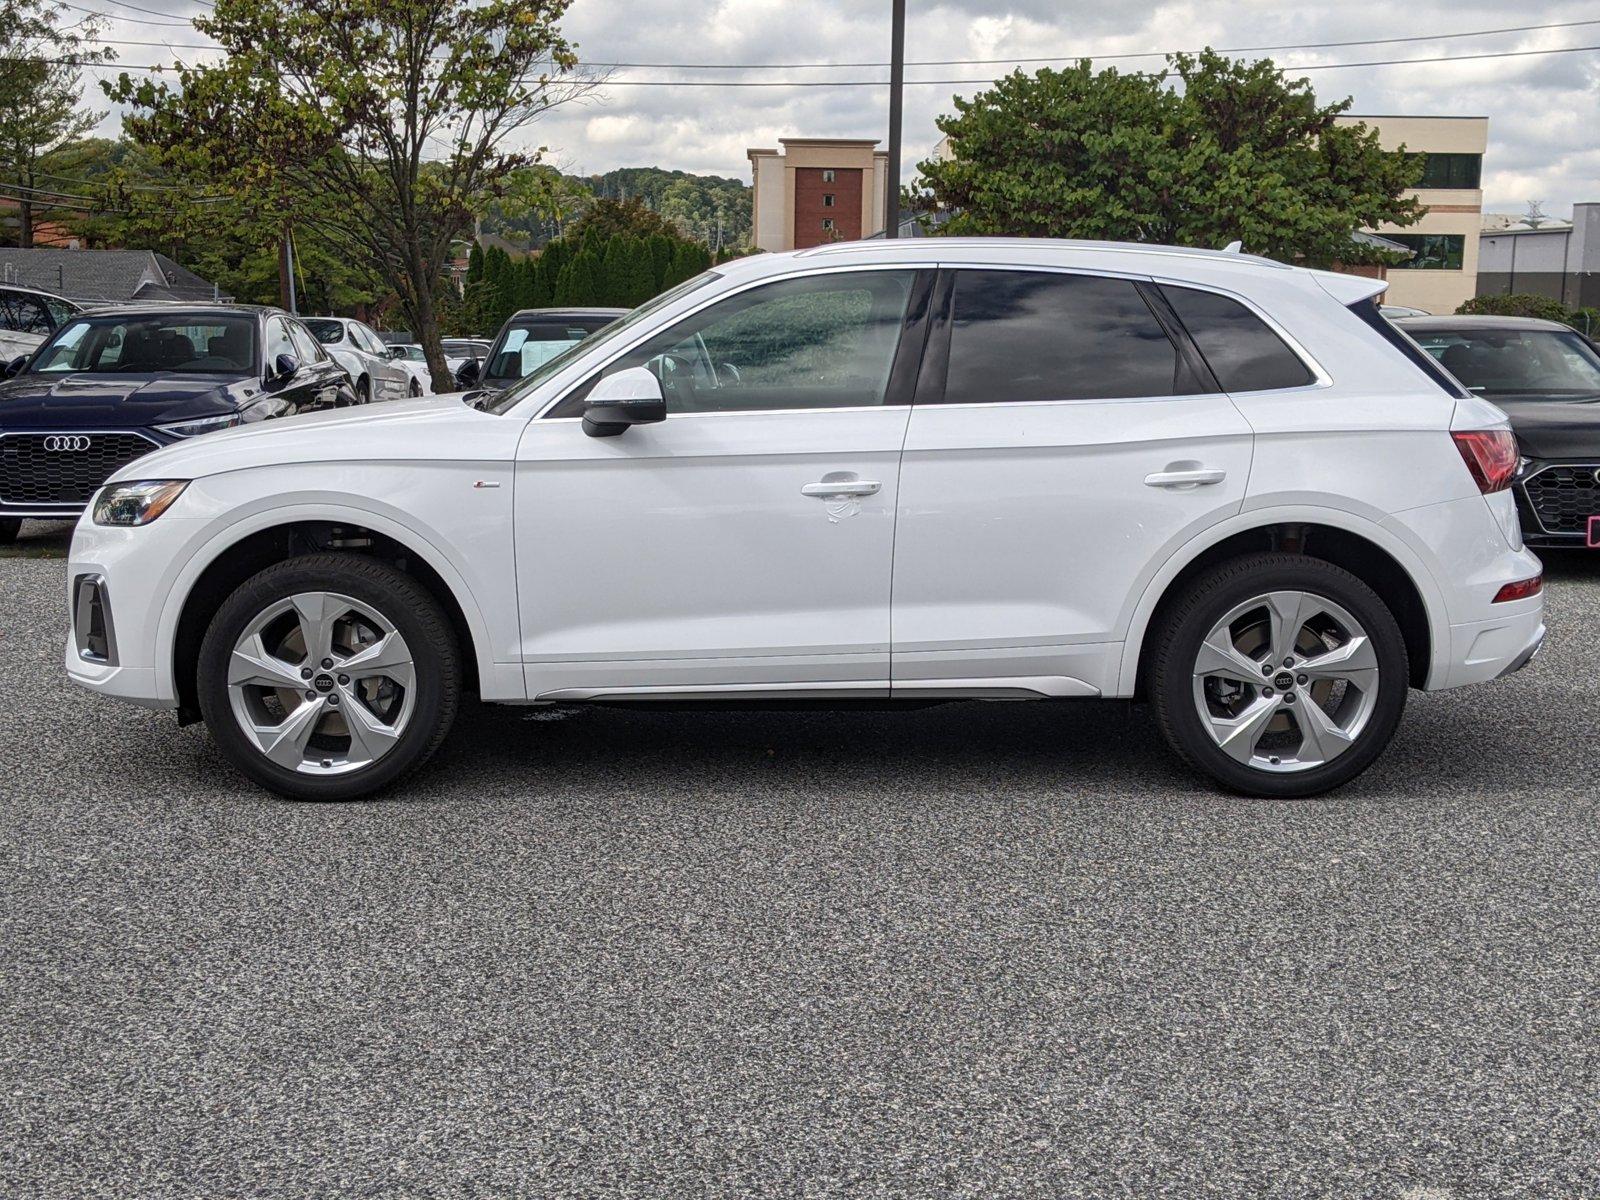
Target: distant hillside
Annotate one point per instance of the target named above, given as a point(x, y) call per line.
point(708, 208)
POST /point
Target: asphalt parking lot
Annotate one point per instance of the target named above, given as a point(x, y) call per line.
point(1002, 950)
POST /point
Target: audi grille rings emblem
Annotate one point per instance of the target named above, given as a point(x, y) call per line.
point(1597, 474)
point(66, 443)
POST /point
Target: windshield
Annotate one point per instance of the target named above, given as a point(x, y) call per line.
point(457, 348)
point(151, 343)
point(553, 366)
point(327, 332)
point(1500, 362)
point(530, 343)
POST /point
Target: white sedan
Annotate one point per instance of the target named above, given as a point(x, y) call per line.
point(364, 357)
point(409, 358)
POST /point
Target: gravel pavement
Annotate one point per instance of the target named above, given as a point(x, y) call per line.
point(976, 950)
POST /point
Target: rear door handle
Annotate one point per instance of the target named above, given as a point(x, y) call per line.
point(1199, 477)
point(832, 489)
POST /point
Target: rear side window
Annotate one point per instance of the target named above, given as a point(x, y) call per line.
point(1242, 352)
point(1022, 335)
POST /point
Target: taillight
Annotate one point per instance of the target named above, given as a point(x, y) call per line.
point(1491, 456)
point(1520, 590)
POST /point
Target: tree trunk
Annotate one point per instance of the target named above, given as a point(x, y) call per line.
point(25, 223)
point(426, 319)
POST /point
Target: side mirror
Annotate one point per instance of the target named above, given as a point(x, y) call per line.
point(631, 397)
point(467, 373)
point(283, 367)
point(397, 351)
point(14, 367)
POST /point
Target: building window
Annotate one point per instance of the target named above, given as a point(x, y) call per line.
point(1450, 170)
point(827, 200)
point(1430, 251)
point(827, 222)
point(827, 177)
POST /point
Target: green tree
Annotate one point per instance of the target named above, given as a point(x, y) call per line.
point(1237, 151)
point(660, 260)
point(629, 218)
point(475, 263)
point(688, 260)
point(350, 103)
point(1519, 304)
point(579, 283)
point(40, 50)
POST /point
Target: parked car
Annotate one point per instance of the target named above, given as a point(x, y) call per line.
point(408, 356)
point(460, 351)
point(110, 386)
point(1222, 484)
point(1546, 377)
point(529, 339)
point(27, 317)
point(364, 357)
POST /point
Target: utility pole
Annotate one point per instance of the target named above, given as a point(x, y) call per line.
point(897, 82)
point(288, 251)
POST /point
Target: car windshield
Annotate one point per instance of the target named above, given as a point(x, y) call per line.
point(456, 348)
point(152, 344)
point(326, 331)
point(1501, 362)
point(552, 366)
point(528, 344)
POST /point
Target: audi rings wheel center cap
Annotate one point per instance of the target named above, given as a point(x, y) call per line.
point(323, 683)
point(1283, 681)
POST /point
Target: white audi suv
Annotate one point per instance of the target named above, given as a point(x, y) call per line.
point(881, 471)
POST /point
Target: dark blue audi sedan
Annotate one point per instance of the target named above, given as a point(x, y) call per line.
point(113, 384)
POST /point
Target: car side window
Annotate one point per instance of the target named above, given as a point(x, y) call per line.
point(1018, 336)
point(306, 348)
point(1242, 352)
point(368, 341)
point(278, 341)
point(22, 313)
point(821, 341)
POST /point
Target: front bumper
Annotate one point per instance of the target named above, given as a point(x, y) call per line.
point(1558, 502)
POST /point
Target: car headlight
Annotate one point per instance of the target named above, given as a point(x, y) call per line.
point(136, 503)
point(202, 425)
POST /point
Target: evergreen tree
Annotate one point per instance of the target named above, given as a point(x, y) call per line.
point(639, 277)
point(615, 267)
point(688, 260)
point(579, 283)
point(475, 263)
point(660, 260)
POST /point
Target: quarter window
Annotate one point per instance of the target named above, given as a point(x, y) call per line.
point(822, 341)
point(1242, 352)
point(1024, 336)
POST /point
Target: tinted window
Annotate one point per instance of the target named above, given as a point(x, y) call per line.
point(527, 345)
point(1020, 335)
point(1242, 352)
point(326, 330)
point(152, 344)
point(822, 341)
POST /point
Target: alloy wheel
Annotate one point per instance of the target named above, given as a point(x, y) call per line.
point(1286, 681)
point(321, 683)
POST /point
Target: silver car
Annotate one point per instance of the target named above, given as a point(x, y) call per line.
point(364, 357)
point(27, 317)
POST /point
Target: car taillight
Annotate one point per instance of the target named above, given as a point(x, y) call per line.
point(1491, 456)
point(1520, 590)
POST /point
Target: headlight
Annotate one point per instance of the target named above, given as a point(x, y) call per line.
point(136, 503)
point(202, 425)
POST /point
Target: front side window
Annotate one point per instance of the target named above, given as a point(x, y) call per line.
point(821, 341)
point(1430, 251)
point(1242, 352)
point(1526, 362)
point(151, 343)
point(1024, 336)
point(305, 346)
point(278, 342)
point(22, 313)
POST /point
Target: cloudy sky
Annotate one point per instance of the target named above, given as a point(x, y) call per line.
point(1542, 108)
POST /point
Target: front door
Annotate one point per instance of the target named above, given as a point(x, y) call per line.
point(745, 543)
point(1065, 439)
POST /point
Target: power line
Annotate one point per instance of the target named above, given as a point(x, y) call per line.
point(100, 12)
point(981, 62)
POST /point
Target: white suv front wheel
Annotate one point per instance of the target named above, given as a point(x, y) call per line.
point(329, 676)
point(1279, 675)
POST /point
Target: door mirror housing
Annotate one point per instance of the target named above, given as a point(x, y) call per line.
point(467, 373)
point(284, 367)
point(397, 351)
point(630, 397)
point(14, 367)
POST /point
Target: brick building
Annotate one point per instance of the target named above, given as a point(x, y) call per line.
point(817, 190)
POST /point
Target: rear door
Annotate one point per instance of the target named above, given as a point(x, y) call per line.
point(1066, 439)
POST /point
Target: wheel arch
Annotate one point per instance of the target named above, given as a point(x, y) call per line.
point(225, 563)
point(1366, 550)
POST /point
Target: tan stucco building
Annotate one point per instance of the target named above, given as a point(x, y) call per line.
point(817, 190)
point(1443, 270)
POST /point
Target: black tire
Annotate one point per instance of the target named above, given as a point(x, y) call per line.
point(416, 389)
point(404, 603)
point(10, 527)
point(363, 390)
point(1185, 626)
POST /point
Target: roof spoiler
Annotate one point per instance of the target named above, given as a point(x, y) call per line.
point(1350, 289)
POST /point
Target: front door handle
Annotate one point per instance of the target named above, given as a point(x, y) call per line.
point(832, 489)
point(1185, 479)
